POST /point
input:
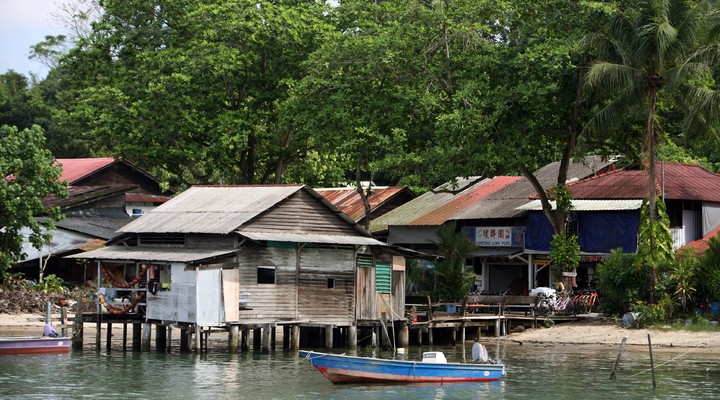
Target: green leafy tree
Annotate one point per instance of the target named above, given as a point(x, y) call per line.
point(190, 90)
point(29, 175)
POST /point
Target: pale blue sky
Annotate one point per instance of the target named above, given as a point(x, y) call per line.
point(24, 23)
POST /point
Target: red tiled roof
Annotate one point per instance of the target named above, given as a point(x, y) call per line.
point(75, 169)
point(676, 180)
point(464, 200)
point(702, 244)
point(349, 202)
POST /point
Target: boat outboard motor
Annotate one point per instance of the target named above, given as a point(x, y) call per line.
point(479, 353)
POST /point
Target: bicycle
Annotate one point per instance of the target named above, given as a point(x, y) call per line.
point(586, 301)
point(556, 303)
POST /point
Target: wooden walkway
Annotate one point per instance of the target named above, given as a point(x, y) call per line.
point(499, 325)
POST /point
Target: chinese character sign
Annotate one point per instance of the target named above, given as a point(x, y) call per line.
point(498, 236)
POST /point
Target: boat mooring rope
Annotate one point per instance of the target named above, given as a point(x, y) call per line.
point(668, 361)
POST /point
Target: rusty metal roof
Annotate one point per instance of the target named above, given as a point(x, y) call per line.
point(437, 206)
point(125, 253)
point(310, 238)
point(211, 209)
point(504, 202)
point(145, 198)
point(348, 200)
point(677, 181)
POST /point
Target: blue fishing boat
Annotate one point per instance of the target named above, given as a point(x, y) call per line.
point(433, 368)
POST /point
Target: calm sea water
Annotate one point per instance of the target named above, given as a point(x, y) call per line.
point(535, 372)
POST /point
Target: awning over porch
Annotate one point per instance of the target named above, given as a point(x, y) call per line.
point(122, 253)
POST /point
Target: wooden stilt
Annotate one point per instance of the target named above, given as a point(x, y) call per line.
point(169, 339)
point(245, 339)
point(146, 336)
point(267, 331)
point(286, 337)
point(352, 337)
point(430, 336)
point(198, 339)
point(63, 321)
point(137, 336)
point(296, 337)
point(124, 339)
point(233, 338)
point(454, 335)
point(160, 338)
point(257, 339)
point(77, 337)
point(404, 336)
point(328, 337)
point(184, 340)
point(108, 337)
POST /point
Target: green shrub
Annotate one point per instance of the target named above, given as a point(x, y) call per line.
point(620, 283)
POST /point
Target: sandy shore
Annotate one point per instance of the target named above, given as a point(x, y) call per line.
point(604, 333)
point(595, 333)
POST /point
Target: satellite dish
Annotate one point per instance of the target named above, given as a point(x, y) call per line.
point(479, 353)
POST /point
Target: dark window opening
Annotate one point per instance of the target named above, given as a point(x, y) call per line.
point(331, 283)
point(266, 275)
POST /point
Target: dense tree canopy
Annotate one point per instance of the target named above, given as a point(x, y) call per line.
point(413, 92)
point(28, 175)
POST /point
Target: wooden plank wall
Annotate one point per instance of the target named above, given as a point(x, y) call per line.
point(367, 299)
point(301, 213)
point(284, 300)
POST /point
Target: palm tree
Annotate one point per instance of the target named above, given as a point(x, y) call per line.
point(657, 49)
point(654, 50)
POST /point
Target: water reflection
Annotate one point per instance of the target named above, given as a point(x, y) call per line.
point(533, 371)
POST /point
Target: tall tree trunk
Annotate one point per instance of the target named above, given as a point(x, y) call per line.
point(650, 141)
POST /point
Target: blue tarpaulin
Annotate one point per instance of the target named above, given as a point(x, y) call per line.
point(598, 231)
point(602, 231)
point(539, 232)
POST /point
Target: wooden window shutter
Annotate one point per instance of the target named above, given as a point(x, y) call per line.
point(383, 277)
point(365, 261)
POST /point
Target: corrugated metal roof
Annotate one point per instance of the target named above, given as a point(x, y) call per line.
point(589, 205)
point(465, 199)
point(97, 226)
point(348, 200)
point(75, 169)
point(124, 253)
point(504, 202)
point(80, 195)
point(678, 182)
point(423, 204)
point(62, 241)
point(211, 209)
point(145, 198)
point(311, 238)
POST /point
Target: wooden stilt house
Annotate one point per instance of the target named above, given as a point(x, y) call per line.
point(217, 256)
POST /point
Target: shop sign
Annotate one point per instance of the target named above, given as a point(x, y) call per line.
point(497, 236)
